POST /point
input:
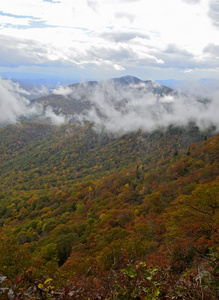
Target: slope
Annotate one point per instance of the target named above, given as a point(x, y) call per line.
point(163, 214)
point(70, 153)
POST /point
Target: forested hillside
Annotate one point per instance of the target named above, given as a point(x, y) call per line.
point(88, 215)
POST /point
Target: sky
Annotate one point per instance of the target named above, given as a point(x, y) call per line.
point(100, 39)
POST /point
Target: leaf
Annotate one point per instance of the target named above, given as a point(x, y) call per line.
point(129, 272)
point(157, 292)
point(48, 280)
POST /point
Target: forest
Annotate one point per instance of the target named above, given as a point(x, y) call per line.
point(88, 215)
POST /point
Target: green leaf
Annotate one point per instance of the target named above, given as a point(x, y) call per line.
point(157, 292)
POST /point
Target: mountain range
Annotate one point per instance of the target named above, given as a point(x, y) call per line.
point(119, 201)
point(31, 81)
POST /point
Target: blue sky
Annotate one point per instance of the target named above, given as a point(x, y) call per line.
point(98, 39)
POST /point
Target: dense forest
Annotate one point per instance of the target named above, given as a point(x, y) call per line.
point(86, 215)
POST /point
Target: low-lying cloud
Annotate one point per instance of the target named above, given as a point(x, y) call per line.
point(146, 106)
point(152, 112)
point(114, 106)
point(14, 104)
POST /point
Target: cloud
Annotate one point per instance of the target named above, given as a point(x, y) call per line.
point(212, 49)
point(174, 49)
point(129, 17)
point(118, 67)
point(56, 119)
point(113, 50)
point(63, 90)
point(36, 91)
point(88, 34)
point(151, 112)
point(119, 108)
point(211, 52)
point(124, 55)
point(14, 104)
point(178, 57)
point(92, 4)
point(15, 52)
point(214, 12)
point(123, 36)
point(192, 1)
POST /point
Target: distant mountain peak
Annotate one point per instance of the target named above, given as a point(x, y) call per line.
point(127, 79)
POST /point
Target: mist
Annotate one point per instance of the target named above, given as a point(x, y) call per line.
point(119, 109)
point(114, 106)
point(14, 104)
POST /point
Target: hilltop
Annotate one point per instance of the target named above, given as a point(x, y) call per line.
point(79, 98)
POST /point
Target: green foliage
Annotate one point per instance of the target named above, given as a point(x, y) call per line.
point(49, 252)
point(64, 246)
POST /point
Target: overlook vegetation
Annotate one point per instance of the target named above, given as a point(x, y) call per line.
point(91, 216)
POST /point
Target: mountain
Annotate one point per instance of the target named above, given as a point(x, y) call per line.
point(34, 149)
point(80, 97)
point(117, 106)
point(93, 212)
point(127, 104)
point(78, 207)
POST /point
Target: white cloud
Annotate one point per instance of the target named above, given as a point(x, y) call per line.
point(118, 33)
point(55, 118)
point(14, 104)
point(119, 110)
point(192, 1)
point(63, 90)
point(143, 106)
point(118, 68)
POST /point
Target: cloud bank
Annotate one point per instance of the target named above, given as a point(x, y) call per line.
point(146, 106)
point(14, 105)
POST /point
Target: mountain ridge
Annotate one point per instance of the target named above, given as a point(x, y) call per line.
point(79, 98)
